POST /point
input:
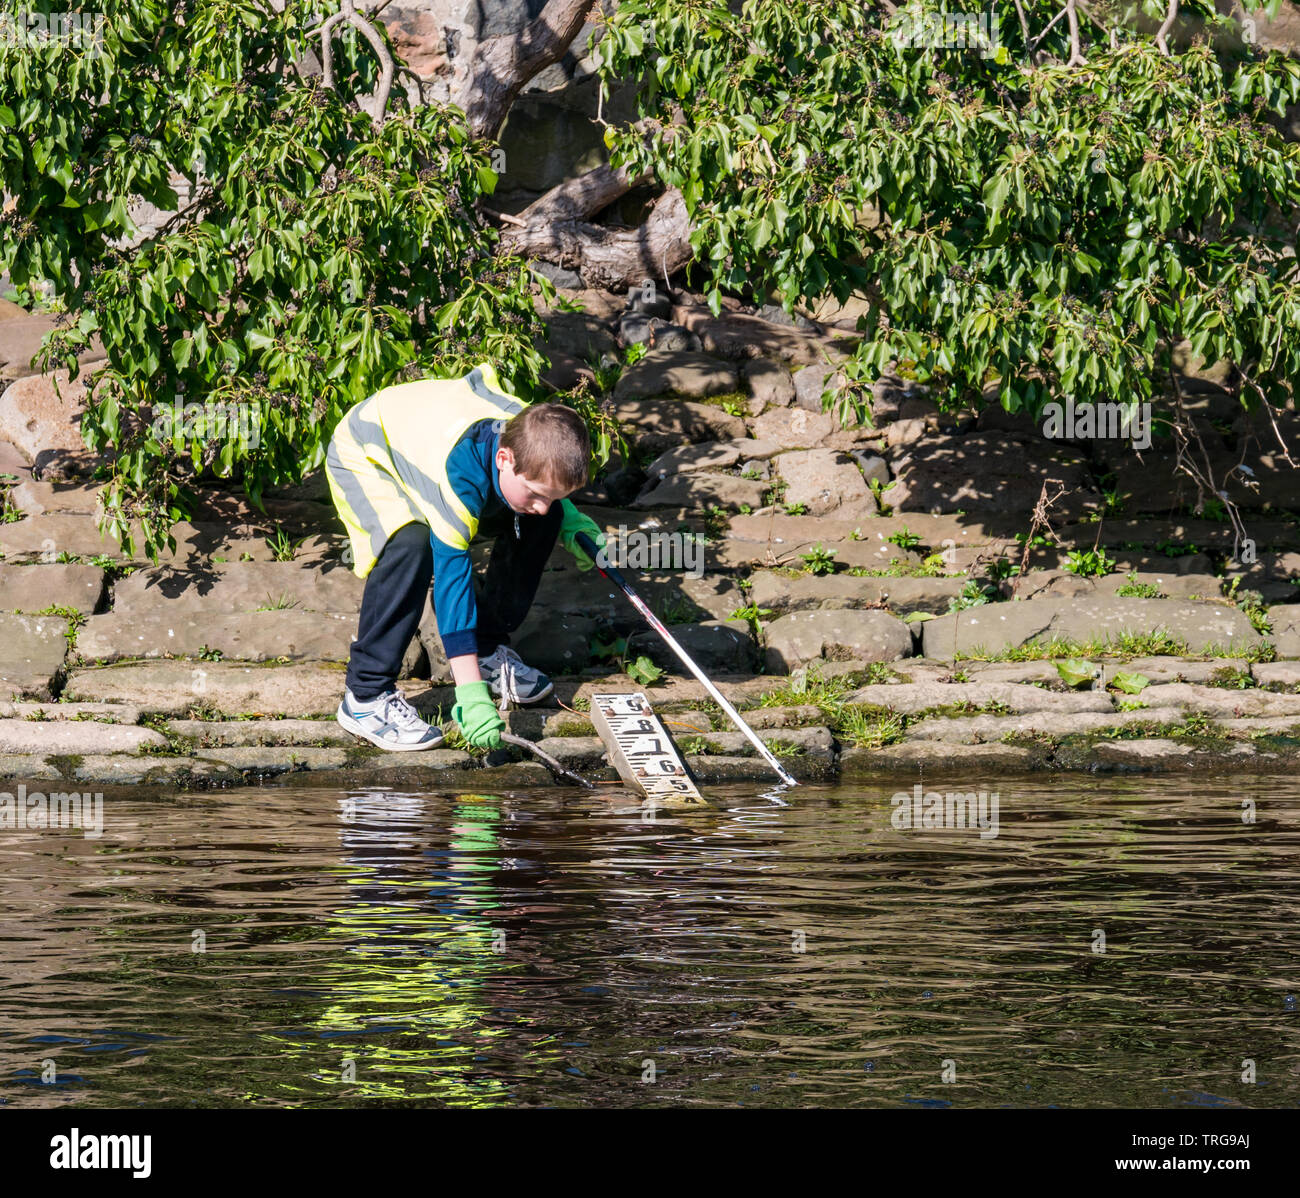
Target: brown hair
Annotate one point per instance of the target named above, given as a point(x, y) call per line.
point(550, 445)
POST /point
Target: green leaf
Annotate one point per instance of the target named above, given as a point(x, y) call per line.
point(1130, 684)
point(1076, 672)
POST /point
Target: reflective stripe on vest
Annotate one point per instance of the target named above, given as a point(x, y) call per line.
point(387, 461)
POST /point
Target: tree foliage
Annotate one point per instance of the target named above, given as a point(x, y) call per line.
point(319, 256)
point(1044, 216)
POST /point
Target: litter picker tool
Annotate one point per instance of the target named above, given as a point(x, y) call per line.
point(590, 548)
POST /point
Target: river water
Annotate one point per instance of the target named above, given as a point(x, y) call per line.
point(1107, 942)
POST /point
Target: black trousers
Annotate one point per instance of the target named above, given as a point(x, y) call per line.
point(399, 580)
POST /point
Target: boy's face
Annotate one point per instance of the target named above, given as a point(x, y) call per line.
point(525, 495)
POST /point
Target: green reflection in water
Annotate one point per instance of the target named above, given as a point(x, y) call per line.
point(410, 979)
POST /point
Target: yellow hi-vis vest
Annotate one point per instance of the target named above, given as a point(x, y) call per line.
point(387, 461)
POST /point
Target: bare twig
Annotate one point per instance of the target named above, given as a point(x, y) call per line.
point(1170, 18)
point(349, 14)
point(1076, 56)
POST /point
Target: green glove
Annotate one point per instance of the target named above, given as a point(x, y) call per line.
point(573, 523)
point(477, 715)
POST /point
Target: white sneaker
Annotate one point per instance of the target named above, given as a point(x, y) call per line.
point(512, 681)
point(388, 721)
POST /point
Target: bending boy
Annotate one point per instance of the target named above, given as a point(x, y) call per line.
point(417, 471)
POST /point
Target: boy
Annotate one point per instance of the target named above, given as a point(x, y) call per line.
point(416, 471)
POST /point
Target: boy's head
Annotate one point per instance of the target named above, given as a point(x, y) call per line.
point(542, 457)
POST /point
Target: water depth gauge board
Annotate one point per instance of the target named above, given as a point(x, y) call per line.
point(640, 748)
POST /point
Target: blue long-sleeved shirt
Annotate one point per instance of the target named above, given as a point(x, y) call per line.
point(472, 472)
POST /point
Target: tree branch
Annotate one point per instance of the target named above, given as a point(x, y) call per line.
point(502, 65)
point(1165, 28)
point(1076, 56)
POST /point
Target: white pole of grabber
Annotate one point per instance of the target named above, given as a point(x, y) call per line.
point(590, 549)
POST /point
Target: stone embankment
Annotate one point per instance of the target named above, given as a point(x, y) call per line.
point(872, 596)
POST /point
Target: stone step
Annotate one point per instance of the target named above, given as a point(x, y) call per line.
point(239, 733)
point(174, 687)
point(33, 588)
point(240, 587)
point(960, 730)
point(997, 627)
point(75, 736)
point(910, 699)
point(32, 652)
point(245, 636)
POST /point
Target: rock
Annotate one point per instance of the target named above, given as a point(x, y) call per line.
point(240, 636)
point(34, 588)
point(256, 759)
point(861, 762)
point(709, 455)
point(1059, 584)
point(1143, 754)
point(39, 420)
point(717, 645)
point(44, 538)
point(738, 337)
point(110, 713)
point(1275, 577)
point(578, 334)
point(814, 742)
point(32, 650)
point(769, 382)
point(794, 428)
point(1155, 484)
point(566, 371)
point(674, 596)
point(824, 481)
point(1218, 701)
point(911, 698)
point(1000, 626)
point(812, 381)
point(989, 472)
point(553, 642)
point(75, 736)
point(992, 728)
point(801, 637)
point(874, 468)
point(660, 424)
point(36, 498)
point(566, 723)
point(1273, 673)
point(1285, 636)
point(1191, 364)
point(798, 716)
point(568, 279)
point(667, 372)
point(237, 733)
point(904, 432)
point(602, 305)
point(283, 587)
point(15, 768)
point(650, 301)
point(173, 687)
point(702, 489)
point(575, 752)
point(20, 338)
point(1177, 669)
point(781, 594)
